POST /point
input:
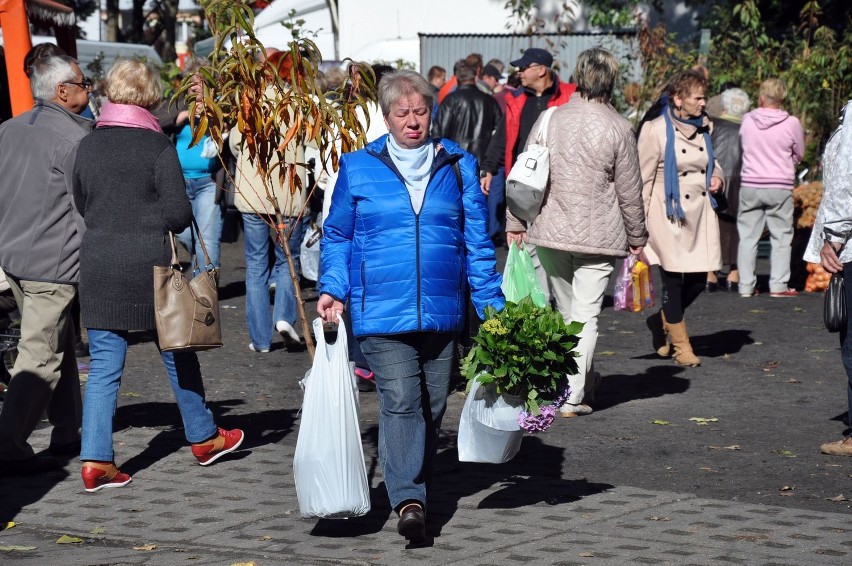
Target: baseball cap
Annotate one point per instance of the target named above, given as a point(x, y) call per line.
point(534, 55)
point(491, 71)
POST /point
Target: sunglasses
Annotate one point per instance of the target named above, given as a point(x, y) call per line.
point(530, 66)
point(85, 84)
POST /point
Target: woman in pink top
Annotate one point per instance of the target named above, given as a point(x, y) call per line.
point(773, 143)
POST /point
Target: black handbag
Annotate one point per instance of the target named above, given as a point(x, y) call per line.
point(834, 311)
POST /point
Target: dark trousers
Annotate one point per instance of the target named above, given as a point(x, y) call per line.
point(679, 291)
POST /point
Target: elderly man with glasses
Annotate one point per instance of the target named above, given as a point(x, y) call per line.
point(40, 235)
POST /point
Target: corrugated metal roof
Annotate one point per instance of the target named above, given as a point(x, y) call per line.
point(445, 49)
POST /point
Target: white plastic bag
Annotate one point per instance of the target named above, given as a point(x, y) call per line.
point(328, 466)
point(489, 431)
point(310, 254)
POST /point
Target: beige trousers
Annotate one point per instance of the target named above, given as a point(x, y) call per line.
point(45, 376)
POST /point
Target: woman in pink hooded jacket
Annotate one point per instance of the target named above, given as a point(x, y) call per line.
point(773, 143)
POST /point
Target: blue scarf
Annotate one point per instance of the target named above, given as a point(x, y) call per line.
point(415, 166)
point(671, 181)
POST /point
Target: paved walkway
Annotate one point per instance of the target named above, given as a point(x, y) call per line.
point(610, 488)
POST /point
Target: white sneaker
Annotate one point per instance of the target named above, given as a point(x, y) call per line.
point(569, 411)
point(287, 332)
point(261, 351)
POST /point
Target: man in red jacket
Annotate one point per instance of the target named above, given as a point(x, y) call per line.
point(541, 90)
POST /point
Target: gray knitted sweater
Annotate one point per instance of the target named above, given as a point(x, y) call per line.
point(129, 189)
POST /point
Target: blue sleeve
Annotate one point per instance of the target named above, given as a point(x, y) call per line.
point(482, 275)
point(336, 246)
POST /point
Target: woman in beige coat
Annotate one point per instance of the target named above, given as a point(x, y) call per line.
point(592, 213)
point(680, 177)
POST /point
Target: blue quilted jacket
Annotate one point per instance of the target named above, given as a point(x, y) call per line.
point(401, 271)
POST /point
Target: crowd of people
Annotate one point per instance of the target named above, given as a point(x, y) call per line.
point(687, 192)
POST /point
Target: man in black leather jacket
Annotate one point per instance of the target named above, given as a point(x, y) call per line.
point(467, 115)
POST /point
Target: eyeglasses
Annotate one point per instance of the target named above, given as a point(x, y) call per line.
point(85, 83)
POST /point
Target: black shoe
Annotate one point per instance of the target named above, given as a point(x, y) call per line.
point(69, 449)
point(28, 466)
point(711, 287)
point(733, 286)
point(412, 523)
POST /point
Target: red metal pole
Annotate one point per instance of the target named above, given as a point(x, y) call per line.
point(17, 43)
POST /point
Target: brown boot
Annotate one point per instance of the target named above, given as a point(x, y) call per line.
point(659, 340)
point(683, 354)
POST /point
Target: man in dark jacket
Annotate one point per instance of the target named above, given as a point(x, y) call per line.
point(40, 234)
point(467, 116)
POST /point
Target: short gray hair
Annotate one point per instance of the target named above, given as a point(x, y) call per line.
point(735, 102)
point(596, 73)
point(397, 84)
point(46, 73)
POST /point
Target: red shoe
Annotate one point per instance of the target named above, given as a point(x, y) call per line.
point(98, 475)
point(224, 442)
point(782, 294)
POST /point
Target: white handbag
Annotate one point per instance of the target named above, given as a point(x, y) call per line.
point(527, 181)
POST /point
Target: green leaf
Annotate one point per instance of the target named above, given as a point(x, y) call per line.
point(67, 539)
point(17, 548)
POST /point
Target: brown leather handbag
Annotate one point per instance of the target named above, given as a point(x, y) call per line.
point(187, 311)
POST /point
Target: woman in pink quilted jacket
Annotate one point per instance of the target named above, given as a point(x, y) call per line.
point(592, 213)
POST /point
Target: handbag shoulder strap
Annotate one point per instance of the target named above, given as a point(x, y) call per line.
point(541, 135)
point(207, 263)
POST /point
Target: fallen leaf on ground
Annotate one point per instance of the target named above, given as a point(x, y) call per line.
point(145, 547)
point(787, 488)
point(656, 518)
point(707, 470)
point(703, 421)
point(791, 380)
point(838, 498)
point(605, 353)
point(265, 537)
point(731, 447)
point(16, 548)
point(661, 422)
point(786, 453)
point(798, 309)
point(587, 554)
point(757, 311)
point(8, 525)
point(130, 394)
point(98, 530)
point(65, 539)
point(243, 564)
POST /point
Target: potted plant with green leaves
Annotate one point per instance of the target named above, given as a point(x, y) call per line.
point(521, 358)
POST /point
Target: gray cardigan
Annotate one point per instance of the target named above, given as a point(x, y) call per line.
point(129, 187)
point(40, 232)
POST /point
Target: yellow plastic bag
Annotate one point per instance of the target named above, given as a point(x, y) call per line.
point(643, 290)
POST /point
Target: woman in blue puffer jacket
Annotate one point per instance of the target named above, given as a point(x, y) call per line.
point(405, 236)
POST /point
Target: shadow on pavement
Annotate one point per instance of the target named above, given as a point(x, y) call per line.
point(720, 343)
point(23, 491)
point(656, 381)
point(261, 428)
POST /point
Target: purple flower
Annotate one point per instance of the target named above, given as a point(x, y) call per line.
point(532, 423)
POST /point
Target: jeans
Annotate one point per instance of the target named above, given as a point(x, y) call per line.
point(413, 379)
point(775, 208)
point(578, 283)
point(108, 349)
point(45, 376)
point(497, 204)
point(258, 239)
point(209, 216)
point(846, 343)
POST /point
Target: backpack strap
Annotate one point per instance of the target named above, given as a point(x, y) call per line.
point(457, 171)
